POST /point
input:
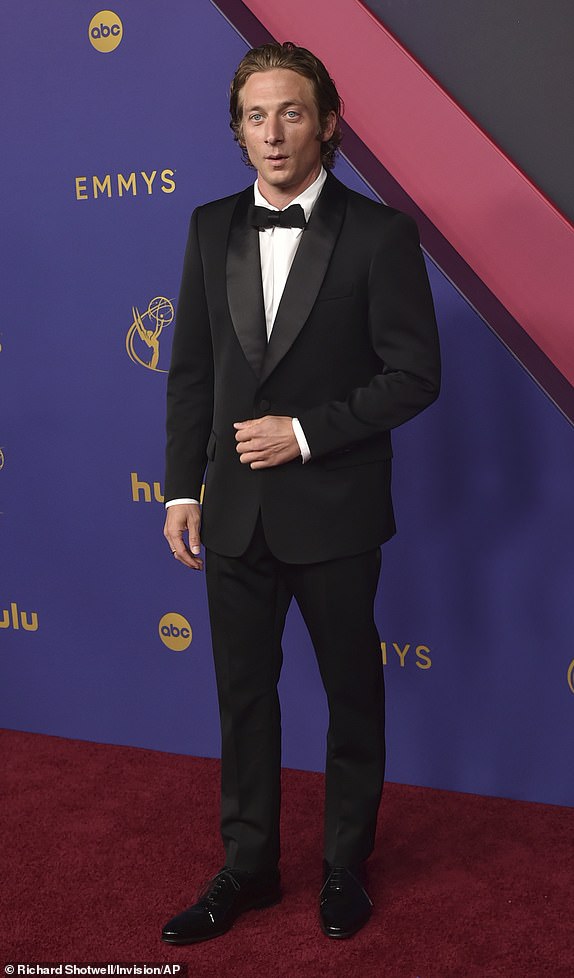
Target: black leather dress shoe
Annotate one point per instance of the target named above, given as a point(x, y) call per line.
point(226, 896)
point(344, 904)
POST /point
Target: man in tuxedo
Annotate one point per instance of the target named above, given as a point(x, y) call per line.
point(305, 332)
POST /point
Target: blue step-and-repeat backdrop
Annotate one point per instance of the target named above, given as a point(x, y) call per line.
point(115, 126)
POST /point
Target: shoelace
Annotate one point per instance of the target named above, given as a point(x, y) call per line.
point(219, 885)
point(335, 879)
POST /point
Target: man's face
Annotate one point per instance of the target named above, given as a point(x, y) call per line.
point(281, 132)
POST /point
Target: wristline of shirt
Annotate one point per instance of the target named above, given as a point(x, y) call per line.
point(303, 448)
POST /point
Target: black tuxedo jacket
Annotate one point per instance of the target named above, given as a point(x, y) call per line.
point(353, 354)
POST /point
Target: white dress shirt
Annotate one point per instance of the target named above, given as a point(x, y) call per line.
point(277, 248)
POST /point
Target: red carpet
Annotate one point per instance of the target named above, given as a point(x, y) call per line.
point(102, 844)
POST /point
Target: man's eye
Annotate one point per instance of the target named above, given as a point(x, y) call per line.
point(292, 114)
point(255, 117)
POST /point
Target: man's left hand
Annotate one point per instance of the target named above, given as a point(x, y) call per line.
point(264, 442)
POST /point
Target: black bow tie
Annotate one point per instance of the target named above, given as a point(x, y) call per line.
point(292, 217)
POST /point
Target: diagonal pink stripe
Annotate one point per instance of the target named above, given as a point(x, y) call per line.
point(515, 240)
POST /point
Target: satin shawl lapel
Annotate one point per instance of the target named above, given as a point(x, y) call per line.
point(244, 288)
point(307, 272)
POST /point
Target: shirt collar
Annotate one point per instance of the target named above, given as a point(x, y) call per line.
point(307, 199)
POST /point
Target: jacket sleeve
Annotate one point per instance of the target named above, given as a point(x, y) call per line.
point(190, 380)
point(403, 332)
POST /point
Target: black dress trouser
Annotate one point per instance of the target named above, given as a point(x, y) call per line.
point(248, 600)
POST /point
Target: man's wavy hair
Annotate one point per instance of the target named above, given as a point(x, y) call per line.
point(289, 55)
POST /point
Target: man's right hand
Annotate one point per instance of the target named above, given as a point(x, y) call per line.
point(180, 519)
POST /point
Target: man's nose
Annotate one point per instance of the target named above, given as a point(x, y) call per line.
point(274, 132)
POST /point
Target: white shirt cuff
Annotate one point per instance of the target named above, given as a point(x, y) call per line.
point(301, 440)
point(177, 502)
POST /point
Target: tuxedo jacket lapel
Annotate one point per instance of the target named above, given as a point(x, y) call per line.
point(244, 288)
point(307, 272)
point(245, 291)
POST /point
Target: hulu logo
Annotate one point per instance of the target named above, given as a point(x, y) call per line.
point(13, 618)
point(142, 491)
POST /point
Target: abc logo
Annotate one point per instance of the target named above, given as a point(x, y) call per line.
point(175, 631)
point(105, 31)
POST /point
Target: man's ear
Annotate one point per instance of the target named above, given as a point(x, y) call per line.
point(329, 127)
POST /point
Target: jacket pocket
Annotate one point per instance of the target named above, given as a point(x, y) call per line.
point(338, 290)
point(361, 454)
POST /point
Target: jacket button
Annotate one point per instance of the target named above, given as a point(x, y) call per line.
point(264, 405)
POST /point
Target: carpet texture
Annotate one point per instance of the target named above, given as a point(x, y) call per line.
point(102, 844)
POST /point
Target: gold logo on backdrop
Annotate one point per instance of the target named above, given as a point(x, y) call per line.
point(12, 617)
point(143, 336)
point(146, 492)
point(570, 676)
point(175, 631)
point(105, 31)
point(110, 185)
point(418, 655)
point(143, 490)
point(1, 459)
